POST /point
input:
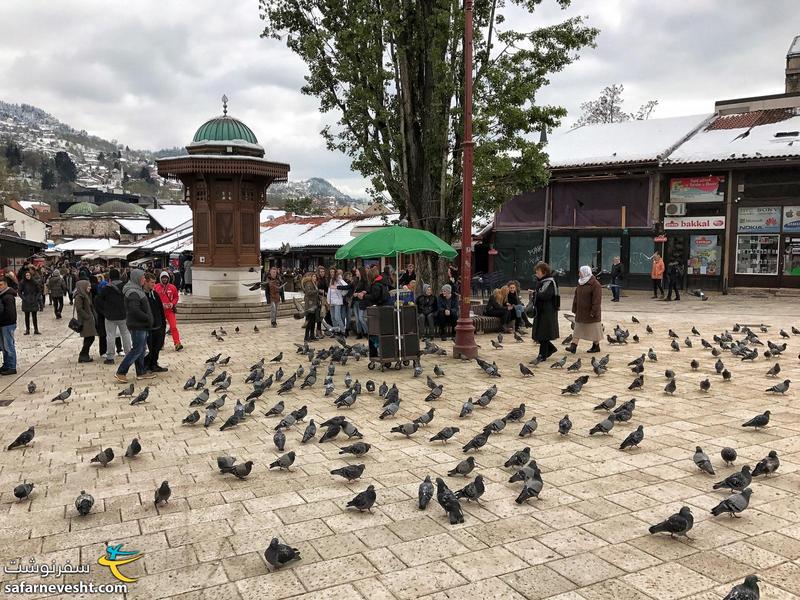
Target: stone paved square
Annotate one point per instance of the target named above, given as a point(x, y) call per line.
point(586, 538)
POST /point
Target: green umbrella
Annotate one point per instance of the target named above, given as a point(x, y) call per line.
point(389, 241)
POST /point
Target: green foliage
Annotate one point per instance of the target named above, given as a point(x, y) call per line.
point(48, 178)
point(393, 74)
point(66, 169)
point(301, 206)
point(13, 155)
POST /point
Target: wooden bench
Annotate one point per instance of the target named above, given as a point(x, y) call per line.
point(483, 323)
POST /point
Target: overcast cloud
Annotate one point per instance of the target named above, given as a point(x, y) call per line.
point(148, 73)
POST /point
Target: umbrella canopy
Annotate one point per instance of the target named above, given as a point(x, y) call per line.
point(388, 241)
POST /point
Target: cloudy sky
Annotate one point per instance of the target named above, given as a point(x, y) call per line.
point(149, 72)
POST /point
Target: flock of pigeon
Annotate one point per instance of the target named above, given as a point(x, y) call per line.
point(745, 345)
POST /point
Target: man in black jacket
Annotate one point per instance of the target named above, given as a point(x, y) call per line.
point(110, 305)
point(8, 323)
point(616, 279)
point(139, 320)
point(158, 330)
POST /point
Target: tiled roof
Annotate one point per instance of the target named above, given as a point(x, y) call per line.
point(751, 119)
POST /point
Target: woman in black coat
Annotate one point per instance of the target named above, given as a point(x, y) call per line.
point(29, 290)
point(547, 302)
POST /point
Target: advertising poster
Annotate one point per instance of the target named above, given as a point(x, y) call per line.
point(703, 255)
point(791, 219)
point(697, 189)
point(759, 219)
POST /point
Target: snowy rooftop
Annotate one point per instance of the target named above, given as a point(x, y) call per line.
point(272, 238)
point(270, 213)
point(627, 142)
point(169, 216)
point(134, 226)
point(759, 134)
point(169, 241)
point(82, 245)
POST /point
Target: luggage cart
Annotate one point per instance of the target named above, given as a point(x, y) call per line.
point(389, 347)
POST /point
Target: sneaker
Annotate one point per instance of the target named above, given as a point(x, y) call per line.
point(120, 353)
point(120, 378)
point(85, 359)
point(6, 371)
point(179, 347)
point(108, 361)
point(146, 375)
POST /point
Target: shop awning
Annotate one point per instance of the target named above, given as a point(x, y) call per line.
point(13, 246)
point(113, 253)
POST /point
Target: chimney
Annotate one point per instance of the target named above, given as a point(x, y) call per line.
point(793, 67)
point(543, 136)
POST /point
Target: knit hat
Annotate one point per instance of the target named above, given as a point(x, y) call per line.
point(164, 274)
point(446, 288)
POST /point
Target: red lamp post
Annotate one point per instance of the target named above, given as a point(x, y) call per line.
point(465, 345)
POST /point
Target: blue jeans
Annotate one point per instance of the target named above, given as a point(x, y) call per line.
point(7, 344)
point(136, 355)
point(337, 315)
point(361, 320)
point(519, 309)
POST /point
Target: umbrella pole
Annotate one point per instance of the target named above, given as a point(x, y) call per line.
point(397, 308)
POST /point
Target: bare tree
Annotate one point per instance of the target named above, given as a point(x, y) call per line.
point(608, 108)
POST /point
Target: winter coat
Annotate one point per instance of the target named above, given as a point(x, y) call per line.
point(56, 286)
point(110, 303)
point(443, 304)
point(546, 300)
point(657, 270)
point(273, 289)
point(427, 305)
point(360, 285)
point(84, 312)
point(586, 302)
point(157, 310)
point(187, 272)
point(674, 272)
point(137, 309)
point(406, 278)
point(378, 294)
point(616, 274)
point(310, 297)
point(494, 308)
point(8, 307)
point(168, 294)
point(30, 290)
point(335, 296)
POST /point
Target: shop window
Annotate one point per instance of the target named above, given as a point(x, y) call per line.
point(641, 254)
point(757, 255)
point(791, 257)
point(560, 253)
point(587, 251)
point(609, 248)
point(704, 255)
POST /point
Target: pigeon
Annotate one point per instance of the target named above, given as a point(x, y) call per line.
point(477, 442)
point(350, 430)
point(407, 429)
point(448, 501)
point(445, 434)
point(736, 481)
point(390, 410)
point(383, 390)
point(694, 331)
point(277, 358)
point(466, 408)
point(559, 364)
point(767, 465)
point(278, 554)
point(219, 402)
point(31, 387)
point(128, 391)
point(364, 500)
point(637, 383)
point(283, 462)
point(526, 372)
point(256, 329)
point(576, 366)
point(607, 404)
point(678, 524)
point(733, 504)
point(484, 401)
point(529, 427)
point(279, 439)
point(437, 370)
point(634, 438)
point(672, 334)
point(670, 387)
point(473, 490)
point(191, 418)
point(104, 457)
point(310, 432)
point(758, 421)
point(780, 388)
point(425, 492)
point(231, 421)
point(435, 393)
point(705, 385)
point(531, 488)
point(241, 470)
point(728, 455)
point(84, 503)
point(23, 439)
point(719, 366)
point(211, 415)
point(702, 461)
point(62, 395)
point(604, 426)
point(357, 449)
point(497, 345)
point(649, 329)
point(527, 472)
point(134, 448)
point(676, 347)
point(726, 375)
point(330, 433)
point(162, 493)
point(417, 369)
point(774, 370)
point(694, 365)
point(350, 472)
point(687, 342)
point(634, 319)
point(573, 388)
point(564, 425)
point(669, 374)
point(286, 422)
point(745, 591)
point(464, 468)
point(23, 490)
point(141, 397)
point(519, 458)
point(275, 410)
point(219, 378)
point(201, 398)
point(279, 374)
point(496, 426)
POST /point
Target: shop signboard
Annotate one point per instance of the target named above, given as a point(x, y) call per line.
point(703, 255)
point(759, 219)
point(791, 219)
point(694, 223)
point(697, 189)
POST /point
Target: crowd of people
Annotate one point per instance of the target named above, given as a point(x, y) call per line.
point(127, 311)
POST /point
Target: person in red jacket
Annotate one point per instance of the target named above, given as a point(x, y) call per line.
point(169, 298)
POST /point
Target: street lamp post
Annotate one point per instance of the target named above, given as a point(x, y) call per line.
point(465, 346)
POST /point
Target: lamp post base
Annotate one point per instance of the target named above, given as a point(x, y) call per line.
point(465, 346)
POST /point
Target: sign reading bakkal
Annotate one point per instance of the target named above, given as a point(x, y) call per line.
point(694, 223)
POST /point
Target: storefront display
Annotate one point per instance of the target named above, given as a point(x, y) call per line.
point(704, 255)
point(791, 256)
point(759, 219)
point(757, 254)
point(697, 189)
point(641, 254)
point(791, 219)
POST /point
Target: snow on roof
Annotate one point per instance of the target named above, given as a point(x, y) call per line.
point(720, 143)
point(340, 236)
point(29, 204)
point(626, 142)
point(270, 213)
point(169, 216)
point(84, 245)
point(272, 238)
point(167, 242)
point(312, 236)
point(795, 47)
point(134, 226)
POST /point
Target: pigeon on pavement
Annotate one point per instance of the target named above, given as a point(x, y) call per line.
point(767, 465)
point(780, 388)
point(604, 426)
point(278, 554)
point(728, 455)
point(745, 591)
point(758, 421)
point(607, 404)
point(702, 461)
point(634, 438)
point(31, 387)
point(162, 493)
point(733, 504)
point(425, 492)
point(678, 524)
point(529, 427)
point(448, 501)
point(445, 434)
point(279, 439)
point(407, 429)
point(84, 503)
point(134, 448)
point(736, 481)
point(473, 490)
point(23, 490)
point(519, 458)
point(104, 457)
point(564, 425)
point(23, 439)
point(477, 442)
point(283, 462)
point(357, 449)
point(62, 396)
point(464, 468)
point(364, 500)
point(349, 472)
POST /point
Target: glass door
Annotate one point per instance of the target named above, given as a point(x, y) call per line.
point(609, 248)
point(790, 271)
point(587, 252)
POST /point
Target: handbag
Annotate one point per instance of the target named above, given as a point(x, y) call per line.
point(74, 323)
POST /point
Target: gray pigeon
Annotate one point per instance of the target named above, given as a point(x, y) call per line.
point(678, 524)
point(31, 387)
point(780, 388)
point(702, 461)
point(479, 441)
point(278, 554)
point(425, 492)
point(466, 408)
point(84, 503)
point(445, 434)
point(275, 410)
point(162, 493)
point(634, 438)
point(406, 429)
point(564, 425)
point(758, 421)
point(310, 432)
point(529, 427)
point(283, 462)
point(529, 471)
point(24, 489)
point(23, 439)
point(531, 489)
point(349, 472)
point(728, 455)
point(519, 458)
point(350, 430)
point(104, 457)
point(128, 391)
point(607, 404)
point(357, 449)
point(768, 465)
point(473, 490)
point(231, 421)
point(448, 501)
point(224, 463)
point(241, 470)
point(191, 418)
point(201, 398)
point(63, 395)
point(279, 439)
point(745, 591)
point(364, 500)
point(736, 481)
point(211, 415)
point(425, 418)
point(464, 468)
point(141, 397)
point(604, 426)
point(733, 504)
point(134, 448)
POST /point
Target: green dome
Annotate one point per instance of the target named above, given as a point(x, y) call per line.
point(118, 207)
point(224, 129)
point(82, 208)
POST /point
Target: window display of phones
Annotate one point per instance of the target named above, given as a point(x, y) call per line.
point(757, 254)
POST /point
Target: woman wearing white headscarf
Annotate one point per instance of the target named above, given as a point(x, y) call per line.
point(586, 307)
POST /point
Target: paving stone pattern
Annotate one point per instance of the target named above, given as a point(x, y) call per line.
point(585, 539)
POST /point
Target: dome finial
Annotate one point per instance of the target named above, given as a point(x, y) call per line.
point(224, 104)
